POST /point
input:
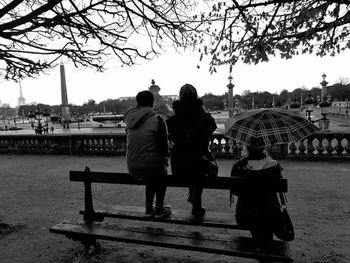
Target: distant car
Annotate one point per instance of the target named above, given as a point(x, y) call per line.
point(121, 124)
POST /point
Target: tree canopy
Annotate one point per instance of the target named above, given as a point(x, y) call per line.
point(253, 31)
point(36, 34)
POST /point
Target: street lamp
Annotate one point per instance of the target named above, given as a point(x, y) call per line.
point(309, 103)
point(295, 105)
point(31, 118)
point(38, 116)
point(324, 105)
point(46, 117)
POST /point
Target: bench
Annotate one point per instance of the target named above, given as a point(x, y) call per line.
point(91, 227)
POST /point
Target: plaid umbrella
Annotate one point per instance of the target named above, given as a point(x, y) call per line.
point(270, 127)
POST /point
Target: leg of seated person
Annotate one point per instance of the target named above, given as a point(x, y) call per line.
point(150, 192)
point(197, 208)
point(161, 211)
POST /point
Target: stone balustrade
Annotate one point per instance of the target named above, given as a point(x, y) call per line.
point(74, 144)
point(339, 115)
point(321, 145)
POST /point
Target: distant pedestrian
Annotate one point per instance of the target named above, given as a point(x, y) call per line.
point(147, 149)
point(52, 129)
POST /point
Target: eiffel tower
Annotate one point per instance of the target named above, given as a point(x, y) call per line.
point(21, 99)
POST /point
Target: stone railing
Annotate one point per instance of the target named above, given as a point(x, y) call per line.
point(321, 145)
point(339, 115)
point(74, 144)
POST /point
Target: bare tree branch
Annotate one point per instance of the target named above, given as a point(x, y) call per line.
point(34, 34)
point(256, 30)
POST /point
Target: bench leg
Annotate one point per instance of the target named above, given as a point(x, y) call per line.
point(91, 246)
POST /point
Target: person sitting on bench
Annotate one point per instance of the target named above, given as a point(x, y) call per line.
point(260, 212)
point(190, 129)
point(147, 149)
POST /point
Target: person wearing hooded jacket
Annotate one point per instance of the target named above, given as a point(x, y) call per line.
point(259, 212)
point(190, 129)
point(147, 150)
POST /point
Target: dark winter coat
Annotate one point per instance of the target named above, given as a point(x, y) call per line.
point(190, 130)
point(257, 209)
point(147, 145)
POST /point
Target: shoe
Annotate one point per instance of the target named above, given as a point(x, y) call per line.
point(163, 212)
point(198, 211)
point(150, 210)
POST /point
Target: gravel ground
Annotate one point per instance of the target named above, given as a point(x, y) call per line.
point(36, 194)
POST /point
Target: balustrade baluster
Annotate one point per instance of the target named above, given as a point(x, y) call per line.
point(347, 146)
point(227, 145)
point(91, 145)
point(292, 148)
point(212, 146)
point(219, 146)
point(114, 145)
point(108, 145)
point(339, 147)
point(96, 144)
point(310, 146)
point(302, 147)
point(329, 147)
point(84, 146)
point(102, 145)
point(319, 148)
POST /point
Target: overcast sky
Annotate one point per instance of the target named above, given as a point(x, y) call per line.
point(171, 71)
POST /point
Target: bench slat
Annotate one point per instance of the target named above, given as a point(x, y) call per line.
point(239, 183)
point(210, 219)
point(194, 241)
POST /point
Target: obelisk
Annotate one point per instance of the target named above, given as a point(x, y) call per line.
point(64, 106)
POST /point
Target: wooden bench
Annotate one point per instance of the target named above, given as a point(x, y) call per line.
point(92, 227)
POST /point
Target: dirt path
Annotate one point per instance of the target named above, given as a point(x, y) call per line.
point(35, 194)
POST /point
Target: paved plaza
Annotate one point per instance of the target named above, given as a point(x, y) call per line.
point(36, 194)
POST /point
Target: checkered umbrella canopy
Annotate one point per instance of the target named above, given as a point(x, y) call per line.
point(270, 127)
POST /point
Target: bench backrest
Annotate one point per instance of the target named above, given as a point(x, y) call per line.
point(243, 184)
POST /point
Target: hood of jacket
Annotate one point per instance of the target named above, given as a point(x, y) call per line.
point(136, 116)
point(186, 109)
point(261, 164)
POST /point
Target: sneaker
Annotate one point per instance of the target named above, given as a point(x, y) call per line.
point(150, 210)
point(163, 213)
point(198, 211)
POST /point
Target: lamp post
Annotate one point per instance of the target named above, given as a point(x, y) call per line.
point(47, 118)
point(324, 86)
point(324, 105)
point(309, 103)
point(31, 118)
point(38, 116)
point(294, 105)
point(230, 101)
